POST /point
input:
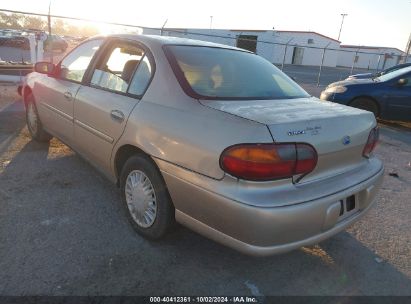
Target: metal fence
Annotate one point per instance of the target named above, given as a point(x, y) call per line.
point(281, 51)
point(371, 61)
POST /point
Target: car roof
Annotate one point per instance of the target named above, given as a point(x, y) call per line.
point(405, 70)
point(399, 66)
point(405, 64)
point(158, 41)
point(396, 73)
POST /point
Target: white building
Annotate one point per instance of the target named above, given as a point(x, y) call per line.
point(305, 48)
point(369, 57)
point(261, 42)
point(294, 47)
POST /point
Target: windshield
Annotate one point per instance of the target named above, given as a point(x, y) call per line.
point(393, 74)
point(218, 73)
point(394, 68)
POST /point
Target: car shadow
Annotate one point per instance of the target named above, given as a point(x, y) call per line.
point(341, 265)
point(396, 130)
point(64, 232)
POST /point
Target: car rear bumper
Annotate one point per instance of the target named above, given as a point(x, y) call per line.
point(262, 231)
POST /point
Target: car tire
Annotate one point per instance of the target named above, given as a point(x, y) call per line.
point(34, 124)
point(366, 104)
point(145, 197)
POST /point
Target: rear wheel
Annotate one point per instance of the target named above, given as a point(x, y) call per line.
point(34, 124)
point(366, 104)
point(146, 198)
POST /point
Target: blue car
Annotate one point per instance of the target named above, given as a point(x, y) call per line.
point(377, 74)
point(387, 96)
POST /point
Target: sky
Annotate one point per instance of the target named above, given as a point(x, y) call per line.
point(369, 22)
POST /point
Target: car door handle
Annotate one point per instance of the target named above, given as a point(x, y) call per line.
point(68, 95)
point(117, 115)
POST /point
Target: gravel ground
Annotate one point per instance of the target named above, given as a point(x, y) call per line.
point(63, 232)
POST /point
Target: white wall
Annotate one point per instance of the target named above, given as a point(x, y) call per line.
point(368, 58)
point(272, 52)
point(312, 56)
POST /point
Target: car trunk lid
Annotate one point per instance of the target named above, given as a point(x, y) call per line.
point(338, 133)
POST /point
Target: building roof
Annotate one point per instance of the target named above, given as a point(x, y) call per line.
point(255, 31)
point(156, 40)
point(362, 47)
point(310, 32)
point(258, 31)
point(294, 32)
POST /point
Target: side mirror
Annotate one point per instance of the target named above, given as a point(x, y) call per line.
point(402, 82)
point(44, 67)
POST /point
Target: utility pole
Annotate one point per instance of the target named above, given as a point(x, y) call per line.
point(342, 22)
point(51, 40)
point(285, 53)
point(408, 50)
point(162, 28)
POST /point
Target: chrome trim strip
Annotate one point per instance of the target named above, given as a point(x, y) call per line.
point(94, 131)
point(62, 114)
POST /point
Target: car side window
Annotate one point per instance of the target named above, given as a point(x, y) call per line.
point(114, 73)
point(141, 77)
point(74, 65)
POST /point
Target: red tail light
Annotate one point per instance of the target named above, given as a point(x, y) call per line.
point(371, 142)
point(263, 162)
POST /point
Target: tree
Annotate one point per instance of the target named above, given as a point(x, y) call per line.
point(59, 27)
point(88, 31)
point(10, 21)
point(34, 23)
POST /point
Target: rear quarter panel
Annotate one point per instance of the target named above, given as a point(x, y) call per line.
point(192, 137)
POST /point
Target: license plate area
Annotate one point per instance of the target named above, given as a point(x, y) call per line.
point(348, 207)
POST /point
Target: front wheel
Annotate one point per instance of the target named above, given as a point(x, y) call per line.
point(34, 124)
point(365, 104)
point(146, 198)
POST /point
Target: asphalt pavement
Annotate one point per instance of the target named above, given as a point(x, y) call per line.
point(308, 75)
point(63, 232)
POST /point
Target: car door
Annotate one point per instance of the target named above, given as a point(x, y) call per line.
point(399, 99)
point(55, 95)
point(116, 84)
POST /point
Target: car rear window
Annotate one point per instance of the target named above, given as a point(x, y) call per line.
point(219, 73)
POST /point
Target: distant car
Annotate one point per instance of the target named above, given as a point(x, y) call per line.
point(387, 96)
point(214, 137)
point(19, 42)
point(55, 42)
point(377, 74)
